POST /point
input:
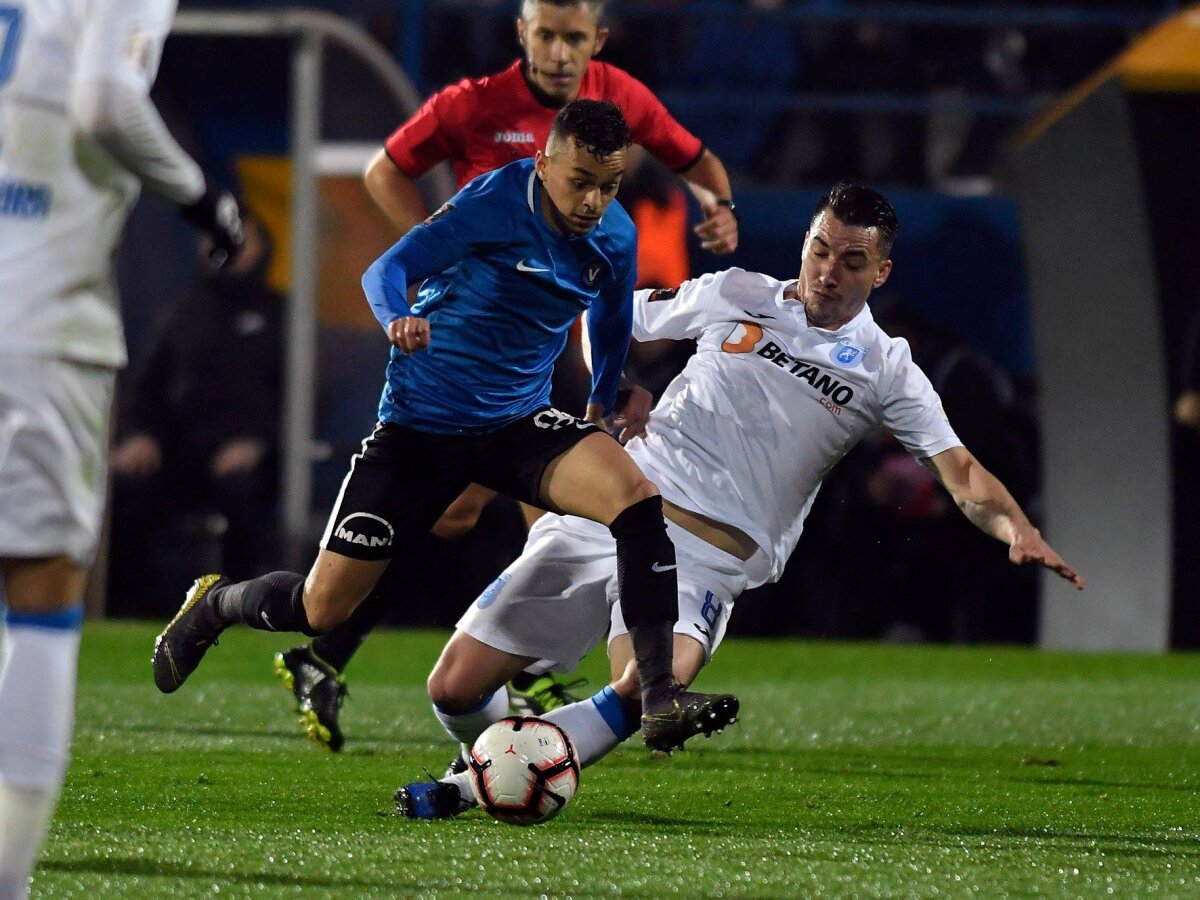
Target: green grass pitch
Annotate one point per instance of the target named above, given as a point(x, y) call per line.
point(855, 771)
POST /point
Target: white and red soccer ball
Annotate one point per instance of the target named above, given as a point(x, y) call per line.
point(524, 770)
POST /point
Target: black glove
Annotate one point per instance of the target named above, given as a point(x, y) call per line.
point(216, 213)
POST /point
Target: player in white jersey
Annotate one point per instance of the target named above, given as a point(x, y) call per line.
point(787, 377)
point(78, 132)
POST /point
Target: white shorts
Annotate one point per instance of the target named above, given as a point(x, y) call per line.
point(557, 600)
point(53, 456)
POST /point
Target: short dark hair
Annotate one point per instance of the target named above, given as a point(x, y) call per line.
point(858, 205)
point(596, 125)
point(596, 6)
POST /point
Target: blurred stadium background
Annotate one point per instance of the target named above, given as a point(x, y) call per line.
point(1041, 156)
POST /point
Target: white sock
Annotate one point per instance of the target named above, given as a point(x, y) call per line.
point(463, 782)
point(466, 727)
point(595, 725)
point(37, 709)
point(24, 820)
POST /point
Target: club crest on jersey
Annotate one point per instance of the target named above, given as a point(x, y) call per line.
point(591, 273)
point(846, 354)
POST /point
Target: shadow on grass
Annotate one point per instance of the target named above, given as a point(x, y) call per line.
point(158, 869)
point(1005, 836)
point(1189, 788)
point(363, 741)
point(659, 823)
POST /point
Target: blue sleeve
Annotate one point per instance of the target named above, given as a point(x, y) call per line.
point(610, 323)
point(470, 220)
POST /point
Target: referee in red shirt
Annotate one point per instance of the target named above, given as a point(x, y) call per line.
point(484, 123)
point(479, 125)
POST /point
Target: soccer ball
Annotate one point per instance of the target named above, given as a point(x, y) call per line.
point(524, 770)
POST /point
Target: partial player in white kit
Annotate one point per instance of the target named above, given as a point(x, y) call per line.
point(78, 132)
point(786, 379)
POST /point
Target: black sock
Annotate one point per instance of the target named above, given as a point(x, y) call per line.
point(273, 602)
point(338, 646)
point(649, 594)
point(522, 681)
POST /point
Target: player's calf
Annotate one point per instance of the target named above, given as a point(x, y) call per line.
point(646, 577)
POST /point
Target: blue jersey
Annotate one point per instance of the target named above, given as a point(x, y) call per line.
point(501, 290)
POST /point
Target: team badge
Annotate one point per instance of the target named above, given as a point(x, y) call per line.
point(488, 597)
point(591, 273)
point(846, 354)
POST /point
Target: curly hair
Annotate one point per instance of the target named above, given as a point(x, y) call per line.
point(596, 125)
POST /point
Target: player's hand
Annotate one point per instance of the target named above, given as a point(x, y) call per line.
point(136, 457)
point(632, 412)
point(409, 334)
point(216, 213)
point(594, 414)
point(718, 232)
point(238, 455)
point(1029, 546)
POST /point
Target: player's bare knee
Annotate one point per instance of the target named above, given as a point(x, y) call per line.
point(643, 489)
point(637, 492)
point(326, 612)
point(451, 689)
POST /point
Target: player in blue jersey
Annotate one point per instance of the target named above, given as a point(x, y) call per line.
point(507, 265)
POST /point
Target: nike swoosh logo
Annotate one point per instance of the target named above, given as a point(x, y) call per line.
point(521, 267)
point(703, 631)
point(757, 315)
point(658, 567)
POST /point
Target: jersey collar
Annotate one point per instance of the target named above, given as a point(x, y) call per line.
point(796, 308)
point(531, 193)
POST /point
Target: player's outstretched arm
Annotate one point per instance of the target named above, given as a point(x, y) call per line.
point(118, 60)
point(709, 183)
point(394, 193)
point(991, 508)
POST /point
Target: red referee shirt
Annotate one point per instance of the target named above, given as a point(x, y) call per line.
point(484, 123)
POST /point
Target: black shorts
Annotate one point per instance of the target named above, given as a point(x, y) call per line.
point(402, 480)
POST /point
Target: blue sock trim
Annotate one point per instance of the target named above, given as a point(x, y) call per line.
point(466, 712)
point(69, 619)
point(612, 710)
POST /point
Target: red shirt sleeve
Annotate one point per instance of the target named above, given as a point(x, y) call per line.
point(650, 123)
point(430, 136)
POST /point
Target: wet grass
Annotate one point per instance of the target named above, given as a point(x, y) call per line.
point(856, 771)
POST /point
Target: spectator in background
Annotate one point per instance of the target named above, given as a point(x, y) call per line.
point(197, 431)
point(940, 582)
point(658, 208)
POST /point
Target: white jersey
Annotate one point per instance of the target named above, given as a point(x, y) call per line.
point(768, 404)
point(65, 191)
